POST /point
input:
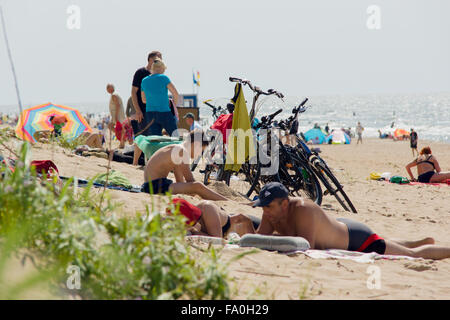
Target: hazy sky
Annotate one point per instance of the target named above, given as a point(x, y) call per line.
point(298, 47)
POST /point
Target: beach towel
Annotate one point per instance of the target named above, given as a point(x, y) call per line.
point(150, 144)
point(416, 183)
point(115, 179)
point(82, 183)
point(360, 257)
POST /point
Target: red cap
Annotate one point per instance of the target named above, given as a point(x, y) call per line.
point(191, 212)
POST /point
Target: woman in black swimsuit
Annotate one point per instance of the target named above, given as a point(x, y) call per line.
point(214, 221)
point(428, 168)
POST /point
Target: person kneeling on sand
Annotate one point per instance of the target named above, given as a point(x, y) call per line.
point(428, 168)
point(176, 158)
point(299, 217)
point(208, 219)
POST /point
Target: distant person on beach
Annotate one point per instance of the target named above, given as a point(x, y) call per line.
point(208, 219)
point(136, 98)
point(92, 140)
point(359, 131)
point(413, 141)
point(58, 122)
point(176, 158)
point(155, 94)
point(382, 135)
point(428, 169)
point(190, 120)
point(327, 129)
point(118, 123)
point(298, 217)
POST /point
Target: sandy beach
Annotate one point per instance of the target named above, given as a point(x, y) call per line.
point(393, 211)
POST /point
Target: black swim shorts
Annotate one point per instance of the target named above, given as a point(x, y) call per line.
point(160, 186)
point(362, 239)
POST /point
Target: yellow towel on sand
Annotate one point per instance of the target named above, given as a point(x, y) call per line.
point(240, 141)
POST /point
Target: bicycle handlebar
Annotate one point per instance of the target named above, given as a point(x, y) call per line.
point(267, 120)
point(303, 103)
point(210, 105)
point(256, 89)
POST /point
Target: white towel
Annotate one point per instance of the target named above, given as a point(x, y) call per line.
point(360, 257)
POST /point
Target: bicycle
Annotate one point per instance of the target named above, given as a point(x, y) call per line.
point(293, 172)
point(319, 166)
point(218, 169)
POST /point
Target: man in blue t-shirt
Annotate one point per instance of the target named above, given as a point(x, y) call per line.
point(155, 94)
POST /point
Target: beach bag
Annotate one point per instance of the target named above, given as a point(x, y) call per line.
point(44, 166)
point(399, 180)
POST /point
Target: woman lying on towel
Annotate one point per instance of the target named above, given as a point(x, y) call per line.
point(428, 169)
point(208, 219)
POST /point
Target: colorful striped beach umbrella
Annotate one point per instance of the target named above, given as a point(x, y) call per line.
point(37, 118)
point(400, 133)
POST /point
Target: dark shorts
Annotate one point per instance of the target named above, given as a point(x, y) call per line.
point(362, 239)
point(255, 220)
point(159, 186)
point(161, 120)
point(135, 126)
point(426, 177)
point(414, 144)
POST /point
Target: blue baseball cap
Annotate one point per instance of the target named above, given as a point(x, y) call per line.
point(270, 192)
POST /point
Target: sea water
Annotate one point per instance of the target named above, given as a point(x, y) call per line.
point(428, 114)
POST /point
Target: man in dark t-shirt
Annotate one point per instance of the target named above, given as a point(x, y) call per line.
point(413, 140)
point(140, 74)
point(138, 104)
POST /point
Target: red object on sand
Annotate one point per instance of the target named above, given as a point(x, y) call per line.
point(187, 209)
point(44, 165)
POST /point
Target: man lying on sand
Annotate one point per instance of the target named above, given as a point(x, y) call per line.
point(177, 158)
point(303, 218)
point(208, 219)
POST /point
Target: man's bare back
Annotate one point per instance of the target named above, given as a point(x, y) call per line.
point(176, 158)
point(306, 219)
point(169, 158)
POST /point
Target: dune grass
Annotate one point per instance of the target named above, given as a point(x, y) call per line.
point(144, 257)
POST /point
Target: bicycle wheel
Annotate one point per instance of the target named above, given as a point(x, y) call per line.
point(252, 173)
point(301, 181)
point(332, 184)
